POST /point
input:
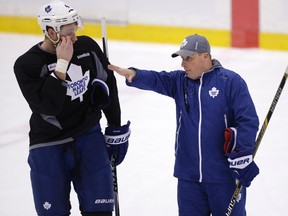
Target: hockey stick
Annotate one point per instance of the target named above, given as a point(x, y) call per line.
point(104, 37)
point(259, 138)
point(115, 185)
point(113, 159)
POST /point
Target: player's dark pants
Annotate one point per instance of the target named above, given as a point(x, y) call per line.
point(204, 199)
point(85, 163)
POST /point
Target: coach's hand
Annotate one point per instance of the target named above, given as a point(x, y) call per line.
point(129, 74)
point(242, 166)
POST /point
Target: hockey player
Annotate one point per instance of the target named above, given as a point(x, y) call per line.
point(209, 100)
point(67, 85)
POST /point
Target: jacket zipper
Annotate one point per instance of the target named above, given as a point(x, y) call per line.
point(177, 133)
point(199, 131)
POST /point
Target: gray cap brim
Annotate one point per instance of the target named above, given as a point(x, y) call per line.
point(183, 53)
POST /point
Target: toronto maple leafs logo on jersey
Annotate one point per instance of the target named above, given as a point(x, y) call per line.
point(79, 82)
point(214, 92)
point(47, 205)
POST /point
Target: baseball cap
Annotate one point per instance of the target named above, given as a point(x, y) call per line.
point(193, 44)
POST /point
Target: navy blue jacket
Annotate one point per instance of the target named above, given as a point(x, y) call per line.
point(204, 108)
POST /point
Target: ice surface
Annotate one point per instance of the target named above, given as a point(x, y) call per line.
point(146, 184)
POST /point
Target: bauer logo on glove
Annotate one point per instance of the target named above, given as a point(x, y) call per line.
point(117, 141)
point(241, 163)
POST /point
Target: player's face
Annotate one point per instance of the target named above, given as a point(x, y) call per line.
point(69, 31)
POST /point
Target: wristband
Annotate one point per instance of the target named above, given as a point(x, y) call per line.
point(61, 66)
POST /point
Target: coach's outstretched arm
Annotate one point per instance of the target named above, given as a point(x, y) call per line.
point(127, 73)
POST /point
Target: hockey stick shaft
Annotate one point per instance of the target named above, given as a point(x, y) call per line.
point(113, 158)
point(104, 37)
point(271, 110)
point(115, 185)
point(259, 138)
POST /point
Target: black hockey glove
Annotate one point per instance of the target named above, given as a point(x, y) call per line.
point(99, 94)
point(117, 141)
point(241, 163)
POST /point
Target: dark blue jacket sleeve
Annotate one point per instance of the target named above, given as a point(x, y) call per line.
point(161, 82)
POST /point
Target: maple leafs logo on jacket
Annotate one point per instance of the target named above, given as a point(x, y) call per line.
point(78, 84)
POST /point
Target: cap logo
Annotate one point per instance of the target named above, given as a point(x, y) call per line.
point(184, 43)
point(48, 9)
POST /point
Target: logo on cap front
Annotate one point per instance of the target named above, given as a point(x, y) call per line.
point(184, 43)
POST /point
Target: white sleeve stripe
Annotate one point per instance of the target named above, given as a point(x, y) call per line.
point(235, 139)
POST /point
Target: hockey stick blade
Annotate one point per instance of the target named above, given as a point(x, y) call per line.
point(259, 138)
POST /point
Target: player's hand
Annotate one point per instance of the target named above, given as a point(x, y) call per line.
point(129, 74)
point(117, 139)
point(64, 49)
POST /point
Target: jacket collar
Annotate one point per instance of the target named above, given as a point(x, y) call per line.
point(215, 64)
